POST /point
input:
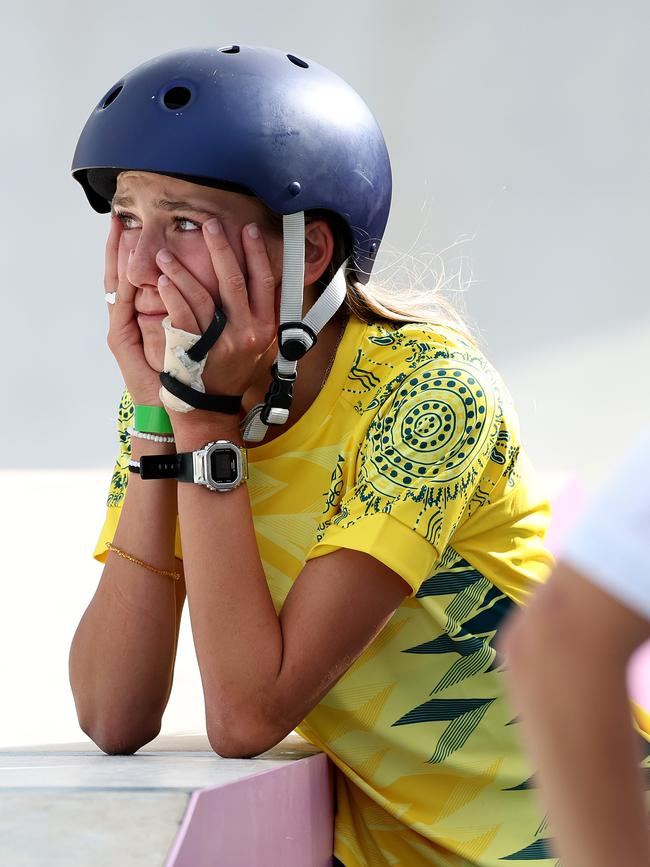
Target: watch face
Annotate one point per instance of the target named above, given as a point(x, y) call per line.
point(223, 465)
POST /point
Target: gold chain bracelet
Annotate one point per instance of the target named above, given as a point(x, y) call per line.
point(121, 553)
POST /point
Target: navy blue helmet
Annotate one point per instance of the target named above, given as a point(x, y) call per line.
point(248, 118)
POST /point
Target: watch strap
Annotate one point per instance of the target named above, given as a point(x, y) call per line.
point(181, 466)
point(178, 466)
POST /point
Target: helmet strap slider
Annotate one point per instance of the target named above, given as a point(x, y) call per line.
point(294, 345)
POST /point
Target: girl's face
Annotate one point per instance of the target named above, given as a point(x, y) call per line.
point(159, 212)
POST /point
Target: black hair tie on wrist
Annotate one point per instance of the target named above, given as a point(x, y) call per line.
point(226, 403)
point(210, 337)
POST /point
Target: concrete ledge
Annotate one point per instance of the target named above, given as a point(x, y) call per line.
point(174, 803)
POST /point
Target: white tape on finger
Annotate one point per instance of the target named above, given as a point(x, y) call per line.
point(180, 365)
point(110, 297)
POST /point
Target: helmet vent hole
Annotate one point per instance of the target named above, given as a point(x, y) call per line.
point(230, 49)
point(177, 97)
point(297, 61)
point(112, 96)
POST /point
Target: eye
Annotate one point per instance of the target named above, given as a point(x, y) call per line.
point(124, 219)
point(127, 220)
point(193, 223)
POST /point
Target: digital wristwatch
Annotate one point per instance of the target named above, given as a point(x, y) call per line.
point(220, 465)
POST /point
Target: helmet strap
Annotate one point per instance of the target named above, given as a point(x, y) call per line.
point(296, 334)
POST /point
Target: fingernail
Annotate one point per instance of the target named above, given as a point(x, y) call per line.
point(163, 280)
point(213, 226)
point(253, 231)
point(165, 256)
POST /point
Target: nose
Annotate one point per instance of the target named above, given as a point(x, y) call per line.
point(142, 269)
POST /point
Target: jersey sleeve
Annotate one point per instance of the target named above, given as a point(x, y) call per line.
point(420, 462)
point(119, 482)
point(119, 479)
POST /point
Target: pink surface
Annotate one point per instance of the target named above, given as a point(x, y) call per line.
point(283, 817)
point(567, 504)
point(638, 676)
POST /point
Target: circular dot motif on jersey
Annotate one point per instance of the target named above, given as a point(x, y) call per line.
point(425, 433)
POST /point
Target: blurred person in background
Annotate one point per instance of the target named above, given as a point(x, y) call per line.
point(331, 472)
point(568, 654)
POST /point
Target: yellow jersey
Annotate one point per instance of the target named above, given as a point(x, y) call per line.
point(411, 453)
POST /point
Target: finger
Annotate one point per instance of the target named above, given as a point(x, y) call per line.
point(110, 255)
point(179, 310)
point(261, 282)
point(123, 310)
point(117, 289)
point(197, 298)
point(232, 283)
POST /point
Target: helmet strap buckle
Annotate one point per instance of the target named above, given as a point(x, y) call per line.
point(277, 401)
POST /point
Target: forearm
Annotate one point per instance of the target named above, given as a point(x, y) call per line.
point(122, 654)
point(237, 634)
point(576, 719)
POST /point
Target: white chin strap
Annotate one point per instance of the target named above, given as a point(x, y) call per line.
point(296, 334)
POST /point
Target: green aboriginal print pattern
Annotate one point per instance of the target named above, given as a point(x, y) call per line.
point(366, 379)
point(436, 423)
point(463, 716)
point(472, 614)
point(120, 477)
point(333, 495)
point(540, 850)
point(472, 617)
point(522, 787)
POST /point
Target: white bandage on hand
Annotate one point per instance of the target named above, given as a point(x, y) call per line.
point(180, 365)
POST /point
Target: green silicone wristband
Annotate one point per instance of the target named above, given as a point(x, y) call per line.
point(152, 419)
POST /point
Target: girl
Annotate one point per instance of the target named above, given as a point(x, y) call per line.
point(350, 539)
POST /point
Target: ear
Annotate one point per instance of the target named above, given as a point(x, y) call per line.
point(319, 247)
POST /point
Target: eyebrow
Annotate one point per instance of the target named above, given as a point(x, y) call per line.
point(163, 205)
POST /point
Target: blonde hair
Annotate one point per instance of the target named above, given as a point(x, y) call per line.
point(405, 296)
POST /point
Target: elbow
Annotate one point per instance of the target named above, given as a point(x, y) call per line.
point(122, 744)
point(119, 740)
point(231, 739)
point(236, 745)
point(227, 748)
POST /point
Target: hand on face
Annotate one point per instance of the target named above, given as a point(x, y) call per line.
point(229, 268)
point(124, 336)
point(249, 305)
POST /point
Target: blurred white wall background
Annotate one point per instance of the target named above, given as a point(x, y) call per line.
point(519, 135)
point(523, 126)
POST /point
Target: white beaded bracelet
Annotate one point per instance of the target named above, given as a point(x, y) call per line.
point(147, 436)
